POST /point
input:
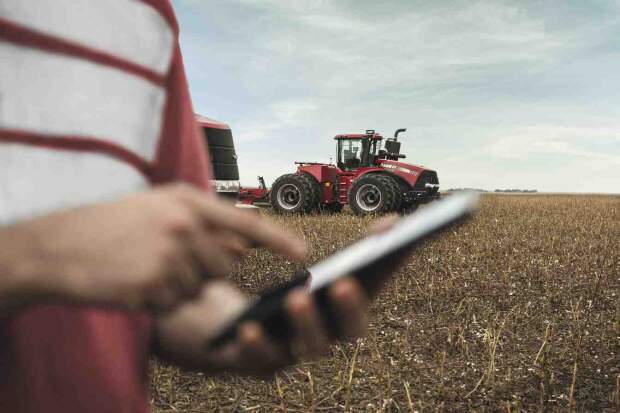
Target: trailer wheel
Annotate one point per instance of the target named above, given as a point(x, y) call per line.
point(293, 194)
point(374, 194)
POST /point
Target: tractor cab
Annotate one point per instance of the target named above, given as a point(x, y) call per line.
point(364, 150)
point(358, 150)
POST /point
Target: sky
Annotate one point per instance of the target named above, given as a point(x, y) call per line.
point(494, 94)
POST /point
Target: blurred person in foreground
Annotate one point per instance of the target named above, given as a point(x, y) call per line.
point(97, 270)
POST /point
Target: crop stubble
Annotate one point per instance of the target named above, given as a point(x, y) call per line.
point(517, 310)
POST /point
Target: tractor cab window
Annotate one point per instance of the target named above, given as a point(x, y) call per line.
point(355, 153)
point(349, 153)
point(374, 146)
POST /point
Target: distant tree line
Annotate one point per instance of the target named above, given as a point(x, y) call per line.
point(520, 191)
point(467, 189)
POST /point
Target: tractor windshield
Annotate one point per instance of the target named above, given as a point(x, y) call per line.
point(354, 153)
point(349, 153)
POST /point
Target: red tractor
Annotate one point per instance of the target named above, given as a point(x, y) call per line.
point(369, 178)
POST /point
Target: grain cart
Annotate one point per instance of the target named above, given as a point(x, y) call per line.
point(368, 177)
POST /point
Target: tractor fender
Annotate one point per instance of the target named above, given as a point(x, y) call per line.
point(407, 172)
point(309, 175)
point(402, 182)
point(370, 171)
point(403, 179)
point(320, 172)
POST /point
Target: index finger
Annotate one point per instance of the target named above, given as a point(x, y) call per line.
point(248, 225)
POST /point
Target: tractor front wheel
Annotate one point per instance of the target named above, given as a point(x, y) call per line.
point(374, 194)
point(293, 194)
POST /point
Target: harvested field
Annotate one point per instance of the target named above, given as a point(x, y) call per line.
point(519, 310)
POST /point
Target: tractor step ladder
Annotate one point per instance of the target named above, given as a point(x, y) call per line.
point(344, 183)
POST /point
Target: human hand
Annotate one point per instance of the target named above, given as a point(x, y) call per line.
point(184, 333)
point(148, 250)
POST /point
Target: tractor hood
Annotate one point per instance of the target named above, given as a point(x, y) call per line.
point(408, 172)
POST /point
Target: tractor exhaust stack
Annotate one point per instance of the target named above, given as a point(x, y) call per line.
point(399, 131)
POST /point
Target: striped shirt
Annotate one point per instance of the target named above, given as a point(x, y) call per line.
point(94, 105)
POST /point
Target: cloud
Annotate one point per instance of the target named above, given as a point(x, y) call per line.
point(574, 142)
point(338, 50)
point(279, 116)
point(493, 93)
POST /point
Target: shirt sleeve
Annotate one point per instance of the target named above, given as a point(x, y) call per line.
point(182, 154)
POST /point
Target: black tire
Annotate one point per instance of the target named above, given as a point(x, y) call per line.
point(398, 191)
point(374, 194)
point(293, 194)
point(225, 171)
point(221, 154)
point(219, 137)
point(316, 189)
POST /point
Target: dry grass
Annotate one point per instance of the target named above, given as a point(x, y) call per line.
point(517, 311)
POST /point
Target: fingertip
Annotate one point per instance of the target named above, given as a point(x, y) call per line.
point(346, 289)
point(309, 337)
point(251, 334)
point(297, 302)
point(350, 300)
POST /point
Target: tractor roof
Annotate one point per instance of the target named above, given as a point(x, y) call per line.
point(374, 136)
point(205, 122)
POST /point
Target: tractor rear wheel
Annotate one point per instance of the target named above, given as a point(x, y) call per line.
point(374, 194)
point(293, 194)
point(316, 188)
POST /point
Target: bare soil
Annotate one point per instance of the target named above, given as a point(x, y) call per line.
point(517, 310)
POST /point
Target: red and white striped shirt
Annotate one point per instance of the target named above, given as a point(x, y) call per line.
point(94, 105)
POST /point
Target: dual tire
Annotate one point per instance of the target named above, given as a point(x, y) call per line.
point(295, 194)
point(370, 194)
point(375, 194)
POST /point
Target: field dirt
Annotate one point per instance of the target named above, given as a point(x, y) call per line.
point(517, 310)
